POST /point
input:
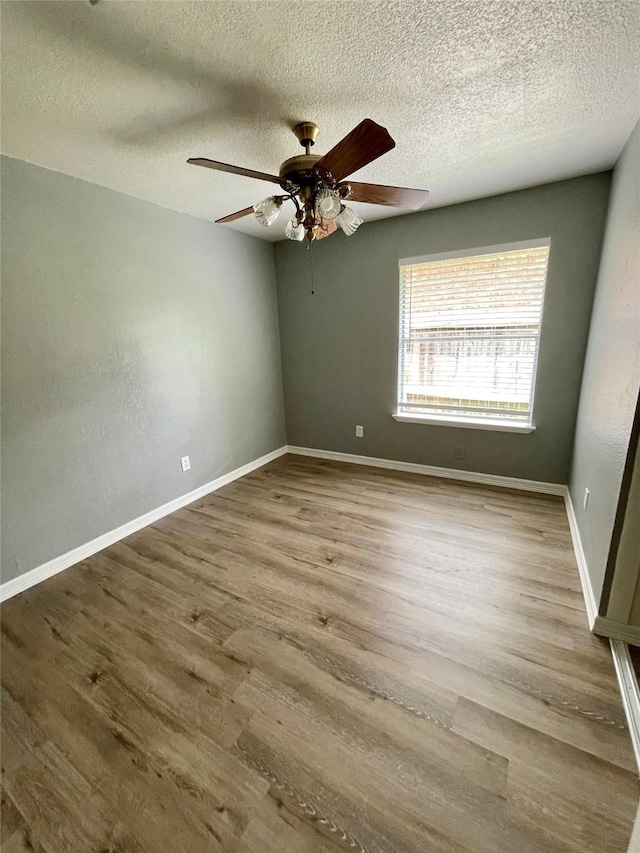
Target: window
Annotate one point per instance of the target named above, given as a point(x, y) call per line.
point(469, 333)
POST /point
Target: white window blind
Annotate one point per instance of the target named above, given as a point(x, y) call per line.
point(469, 332)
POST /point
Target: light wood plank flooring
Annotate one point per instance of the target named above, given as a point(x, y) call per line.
point(318, 657)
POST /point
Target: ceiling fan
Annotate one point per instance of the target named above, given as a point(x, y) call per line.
point(316, 185)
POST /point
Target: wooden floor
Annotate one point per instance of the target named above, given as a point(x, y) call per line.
point(318, 657)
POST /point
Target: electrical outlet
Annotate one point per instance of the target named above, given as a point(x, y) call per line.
point(184, 462)
point(585, 502)
point(459, 453)
point(359, 432)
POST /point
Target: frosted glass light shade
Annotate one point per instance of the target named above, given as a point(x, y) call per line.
point(327, 203)
point(266, 211)
point(349, 221)
point(294, 230)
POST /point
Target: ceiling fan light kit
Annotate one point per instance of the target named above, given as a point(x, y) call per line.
point(328, 203)
point(267, 210)
point(294, 230)
point(316, 186)
point(348, 220)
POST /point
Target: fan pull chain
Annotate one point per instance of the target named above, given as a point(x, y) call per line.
point(311, 263)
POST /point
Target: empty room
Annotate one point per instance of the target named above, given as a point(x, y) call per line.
point(320, 377)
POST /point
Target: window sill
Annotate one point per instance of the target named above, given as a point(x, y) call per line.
point(465, 423)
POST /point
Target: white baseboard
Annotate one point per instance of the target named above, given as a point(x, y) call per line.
point(613, 630)
point(58, 564)
point(597, 624)
point(600, 625)
point(433, 471)
point(629, 690)
point(585, 580)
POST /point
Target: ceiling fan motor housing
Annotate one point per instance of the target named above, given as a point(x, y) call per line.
point(299, 170)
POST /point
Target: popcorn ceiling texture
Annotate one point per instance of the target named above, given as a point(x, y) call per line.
point(481, 97)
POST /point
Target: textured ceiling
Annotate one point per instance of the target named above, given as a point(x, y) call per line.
point(481, 97)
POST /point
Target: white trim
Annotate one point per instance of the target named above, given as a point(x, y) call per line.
point(433, 471)
point(629, 691)
point(465, 423)
point(605, 627)
point(585, 580)
point(472, 253)
point(600, 625)
point(58, 564)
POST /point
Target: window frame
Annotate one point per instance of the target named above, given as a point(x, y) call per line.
point(503, 424)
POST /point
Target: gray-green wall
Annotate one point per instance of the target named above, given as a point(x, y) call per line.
point(131, 336)
point(339, 346)
point(611, 373)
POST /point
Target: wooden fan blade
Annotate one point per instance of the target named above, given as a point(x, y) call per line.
point(325, 229)
point(365, 143)
point(393, 196)
point(235, 170)
point(237, 215)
